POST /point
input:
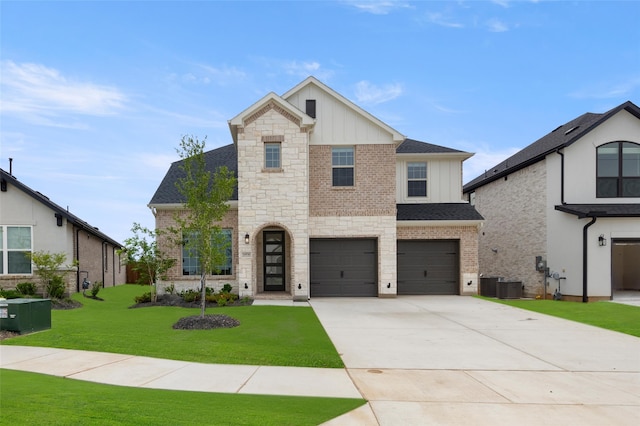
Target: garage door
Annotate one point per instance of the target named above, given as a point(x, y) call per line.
point(344, 267)
point(428, 267)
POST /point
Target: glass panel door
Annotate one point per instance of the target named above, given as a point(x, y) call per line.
point(274, 255)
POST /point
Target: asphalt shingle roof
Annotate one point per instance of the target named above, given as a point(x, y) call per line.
point(559, 138)
point(167, 192)
point(600, 210)
point(437, 211)
point(411, 146)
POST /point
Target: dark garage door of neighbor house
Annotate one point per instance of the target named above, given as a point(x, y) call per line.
point(428, 267)
point(344, 267)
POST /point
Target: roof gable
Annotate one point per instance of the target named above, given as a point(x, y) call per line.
point(58, 210)
point(397, 136)
point(267, 103)
point(559, 138)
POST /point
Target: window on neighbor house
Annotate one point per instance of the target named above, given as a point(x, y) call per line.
point(417, 179)
point(342, 161)
point(191, 261)
point(15, 247)
point(618, 170)
point(272, 155)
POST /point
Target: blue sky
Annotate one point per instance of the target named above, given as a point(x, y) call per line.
point(95, 96)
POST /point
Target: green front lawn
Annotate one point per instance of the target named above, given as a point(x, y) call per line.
point(267, 335)
point(35, 399)
point(609, 315)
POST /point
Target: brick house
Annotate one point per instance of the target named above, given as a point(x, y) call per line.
point(569, 202)
point(30, 222)
point(331, 201)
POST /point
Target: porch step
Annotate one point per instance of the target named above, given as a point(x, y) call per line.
point(273, 295)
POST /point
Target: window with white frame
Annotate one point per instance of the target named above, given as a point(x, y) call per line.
point(272, 155)
point(191, 261)
point(342, 162)
point(417, 179)
point(15, 248)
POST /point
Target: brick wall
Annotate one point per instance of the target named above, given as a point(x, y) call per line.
point(166, 219)
point(515, 227)
point(375, 183)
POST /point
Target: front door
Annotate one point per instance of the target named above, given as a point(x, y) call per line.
point(274, 256)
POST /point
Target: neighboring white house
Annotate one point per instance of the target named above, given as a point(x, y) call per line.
point(331, 201)
point(30, 222)
point(569, 202)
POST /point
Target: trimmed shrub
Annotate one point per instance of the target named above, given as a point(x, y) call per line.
point(27, 288)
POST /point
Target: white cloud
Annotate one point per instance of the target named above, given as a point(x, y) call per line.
point(304, 69)
point(440, 19)
point(378, 7)
point(608, 90)
point(369, 94)
point(497, 26)
point(503, 3)
point(40, 94)
point(484, 159)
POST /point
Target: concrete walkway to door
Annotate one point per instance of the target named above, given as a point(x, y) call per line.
point(455, 360)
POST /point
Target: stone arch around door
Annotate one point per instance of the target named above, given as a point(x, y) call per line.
point(274, 267)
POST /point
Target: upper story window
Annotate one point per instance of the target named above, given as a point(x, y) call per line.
point(417, 179)
point(272, 155)
point(342, 161)
point(618, 170)
point(15, 247)
point(191, 261)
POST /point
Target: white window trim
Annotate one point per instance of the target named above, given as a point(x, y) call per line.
point(353, 166)
point(5, 249)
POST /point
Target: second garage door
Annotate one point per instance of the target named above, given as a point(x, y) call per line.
point(428, 267)
point(344, 267)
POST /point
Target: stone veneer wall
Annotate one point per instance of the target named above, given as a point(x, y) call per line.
point(515, 227)
point(374, 189)
point(468, 237)
point(273, 198)
point(164, 220)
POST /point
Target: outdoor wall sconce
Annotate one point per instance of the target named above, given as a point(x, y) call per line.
point(602, 241)
point(389, 285)
point(299, 286)
point(246, 286)
point(246, 238)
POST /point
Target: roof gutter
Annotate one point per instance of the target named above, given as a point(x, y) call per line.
point(561, 154)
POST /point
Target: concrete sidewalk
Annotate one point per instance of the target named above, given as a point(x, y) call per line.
point(145, 372)
point(451, 360)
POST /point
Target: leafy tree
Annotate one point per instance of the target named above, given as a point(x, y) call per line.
point(51, 269)
point(141, 251)
point(206, 203)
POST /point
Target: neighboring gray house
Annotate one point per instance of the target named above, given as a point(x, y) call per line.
point(30, 222)
point(332, 201)
point(569, 202)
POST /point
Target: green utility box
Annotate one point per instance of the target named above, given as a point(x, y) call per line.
point(25, 315)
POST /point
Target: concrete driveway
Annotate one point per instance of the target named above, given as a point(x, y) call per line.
point(450, 360)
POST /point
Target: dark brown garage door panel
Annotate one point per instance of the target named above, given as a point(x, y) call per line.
point(428, 267)
point(344, 267)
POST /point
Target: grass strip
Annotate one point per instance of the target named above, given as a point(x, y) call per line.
point(609, 315)
point(36, 399)
point(267, 335)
